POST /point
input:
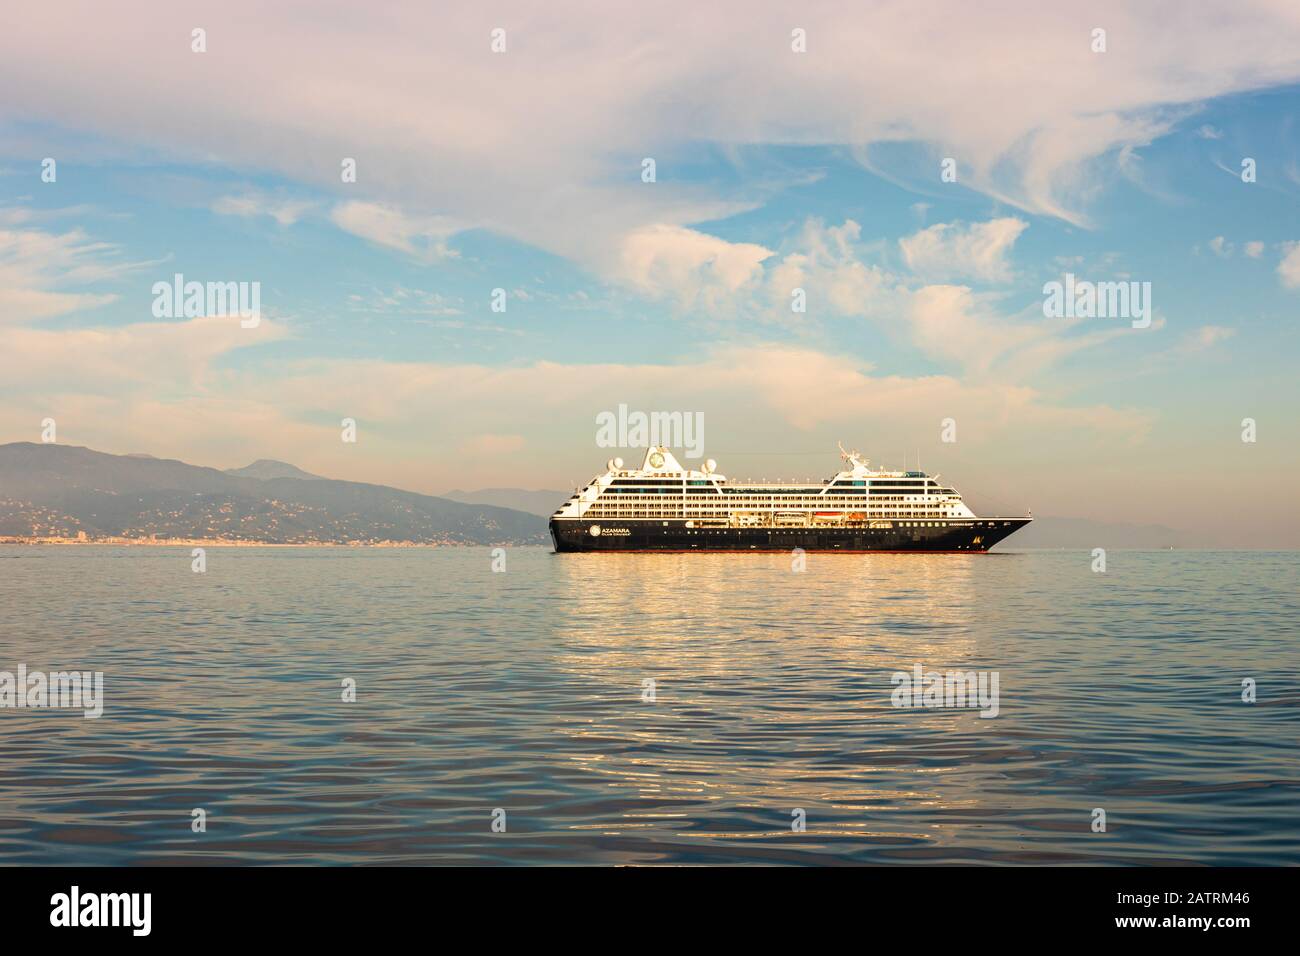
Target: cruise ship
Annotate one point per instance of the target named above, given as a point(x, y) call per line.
point(663, 506)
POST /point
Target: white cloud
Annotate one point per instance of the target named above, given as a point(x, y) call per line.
point(956, 251)
point(34, 264)
point(1226, 249)
point(826, 262)
point(169, 387)
point(400, 300)
point(695, 268)
point(421, 237)
point(141, 359)
point(527, 145)
point(1288, 269)
point(765, 395)
point(948, 323)
point(286, 212)
point(21, 304)
point(1207, 336)
point(965, 330)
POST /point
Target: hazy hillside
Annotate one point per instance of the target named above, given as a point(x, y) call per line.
point(543, 503)
point(58, 490)
point(1049, 532)
point(265, 468)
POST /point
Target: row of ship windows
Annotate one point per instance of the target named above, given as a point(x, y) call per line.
point(737, 484)
point(770, 505)
point(766, 506)
point(660, 514)
point(874, 496)
point(899, 524)
point(812, 489)
point(725, 509)
point(723, 512)
point(678, 491)
point(781, 505)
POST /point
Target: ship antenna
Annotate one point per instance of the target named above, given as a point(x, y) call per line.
point(854, 458)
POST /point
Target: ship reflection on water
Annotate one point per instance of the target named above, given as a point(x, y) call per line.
point(773, 693)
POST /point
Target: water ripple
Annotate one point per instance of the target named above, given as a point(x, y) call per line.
point(524, 691)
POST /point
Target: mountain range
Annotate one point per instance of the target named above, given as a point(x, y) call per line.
point(51, 490)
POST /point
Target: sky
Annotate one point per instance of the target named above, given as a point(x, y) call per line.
point(503, 146)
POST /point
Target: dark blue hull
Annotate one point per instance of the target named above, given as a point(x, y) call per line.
point(976, 535)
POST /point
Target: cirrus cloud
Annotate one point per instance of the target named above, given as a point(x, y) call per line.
point(445, 132)
point(957, 251)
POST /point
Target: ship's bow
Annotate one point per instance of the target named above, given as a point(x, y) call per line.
point(999, 529)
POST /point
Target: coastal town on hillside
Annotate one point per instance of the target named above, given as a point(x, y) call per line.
point(219, 525)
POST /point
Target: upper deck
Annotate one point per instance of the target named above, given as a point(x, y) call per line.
point(663, 488)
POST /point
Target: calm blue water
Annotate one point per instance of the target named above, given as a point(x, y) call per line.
point(523, 691)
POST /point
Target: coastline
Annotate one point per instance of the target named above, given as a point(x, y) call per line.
point(229, 543)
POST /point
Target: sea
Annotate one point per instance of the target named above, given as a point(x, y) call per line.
point(464, 706)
